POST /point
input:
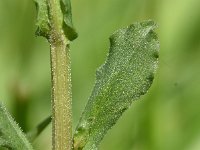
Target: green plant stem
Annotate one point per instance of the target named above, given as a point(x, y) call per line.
point(55, 23)
point(61, 81)
point(61, 95)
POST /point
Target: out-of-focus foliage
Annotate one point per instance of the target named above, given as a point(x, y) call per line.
point(168, 118)
point(35, 132)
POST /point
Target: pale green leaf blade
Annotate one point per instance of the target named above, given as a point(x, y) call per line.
point(126, 75)
point(11, 136)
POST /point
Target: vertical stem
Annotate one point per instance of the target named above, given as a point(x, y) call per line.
point(61, 80)
point(61, 93)
point(55, 23)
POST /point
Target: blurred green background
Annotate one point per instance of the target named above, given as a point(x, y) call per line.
point(167, 118)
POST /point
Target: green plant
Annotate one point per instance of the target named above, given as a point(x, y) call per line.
point(126, 75)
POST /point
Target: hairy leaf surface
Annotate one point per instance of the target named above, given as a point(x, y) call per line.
point(126, 75)
point(11, 136)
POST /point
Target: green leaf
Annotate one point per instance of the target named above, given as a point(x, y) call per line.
point(45, 23)
point(69, 30)
point(11, 136)
point(126, 75)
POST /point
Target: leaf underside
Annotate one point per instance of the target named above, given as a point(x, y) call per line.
point(126, 75)
point(11, 136)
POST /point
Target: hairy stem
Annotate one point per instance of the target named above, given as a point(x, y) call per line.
point(61, 95)
point(54, 22)
point(61, 82)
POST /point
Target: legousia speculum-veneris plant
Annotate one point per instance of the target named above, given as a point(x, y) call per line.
point(126, 75)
